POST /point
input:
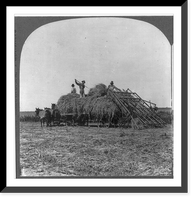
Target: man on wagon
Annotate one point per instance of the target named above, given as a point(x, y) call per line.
point(81, 87)
point(73, 89)
point(112, 87)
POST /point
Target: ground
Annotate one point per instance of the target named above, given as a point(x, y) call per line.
point(92, 151)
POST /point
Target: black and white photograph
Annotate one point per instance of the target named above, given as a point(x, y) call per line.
point(96, 98)
point(99, 101)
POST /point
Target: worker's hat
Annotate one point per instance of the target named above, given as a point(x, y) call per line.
point(111, 82)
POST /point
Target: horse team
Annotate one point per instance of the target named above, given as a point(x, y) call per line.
point(48, 116)
point(52, 116)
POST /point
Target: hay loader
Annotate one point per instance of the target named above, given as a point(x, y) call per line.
point(135, 110)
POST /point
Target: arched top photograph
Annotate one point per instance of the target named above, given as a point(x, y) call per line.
point(100, 92)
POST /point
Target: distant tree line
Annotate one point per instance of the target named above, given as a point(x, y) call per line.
point(166, 116)
point(29, 118)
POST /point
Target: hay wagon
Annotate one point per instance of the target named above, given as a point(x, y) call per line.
point(73, 119)
point(68, 119)
point(105, 107)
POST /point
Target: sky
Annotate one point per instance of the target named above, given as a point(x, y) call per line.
point(132, 53)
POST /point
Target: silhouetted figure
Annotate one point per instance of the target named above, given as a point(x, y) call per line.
point(112, 87)
point(81, 87)
point(73, 89)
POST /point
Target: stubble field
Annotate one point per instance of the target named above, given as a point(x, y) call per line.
point(95, 152)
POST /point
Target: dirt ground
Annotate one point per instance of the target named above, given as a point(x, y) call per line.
point(92, 151)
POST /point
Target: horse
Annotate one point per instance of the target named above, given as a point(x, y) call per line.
point(44, 115)
point(55, 116)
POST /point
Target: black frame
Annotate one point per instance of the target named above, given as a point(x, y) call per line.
point(184, 139)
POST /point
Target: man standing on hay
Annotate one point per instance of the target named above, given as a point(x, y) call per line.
point(73, 89)
point(112, 87)
point(81, 87)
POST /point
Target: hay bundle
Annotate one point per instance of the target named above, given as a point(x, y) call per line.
point(98, 91)
point(96, 103)
point(78, 104)
point(66, 103)
point(71, 103)
point(103, 106)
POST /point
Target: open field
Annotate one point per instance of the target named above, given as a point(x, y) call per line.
point(92, 151)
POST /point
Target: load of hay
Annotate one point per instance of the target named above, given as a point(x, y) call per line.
point(98, 91)
point(96, 103)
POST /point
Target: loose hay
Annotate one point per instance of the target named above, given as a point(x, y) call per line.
point(66, 103)
point(96, 103)
point(98, 90)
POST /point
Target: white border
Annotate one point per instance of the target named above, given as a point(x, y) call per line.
point(92, 11)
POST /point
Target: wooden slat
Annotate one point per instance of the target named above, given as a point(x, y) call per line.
point(130, 100)
point(143, 122)
point(122, 105)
